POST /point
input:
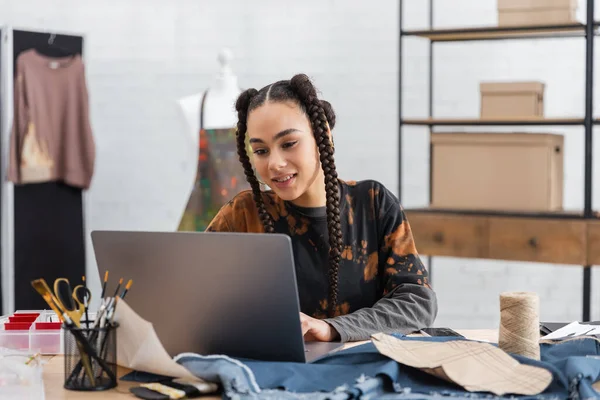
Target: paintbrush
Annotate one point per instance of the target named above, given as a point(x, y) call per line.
point(118, 287)
point(87, 305)
point(124, 292)
point(104, 285)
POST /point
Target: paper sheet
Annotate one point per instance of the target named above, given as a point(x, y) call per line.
point(472, 365)
point(574, 329)
point(139, 348)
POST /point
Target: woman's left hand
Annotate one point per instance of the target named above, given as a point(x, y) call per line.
point(317, 330)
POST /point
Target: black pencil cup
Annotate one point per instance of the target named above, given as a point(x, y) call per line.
point(90, 358)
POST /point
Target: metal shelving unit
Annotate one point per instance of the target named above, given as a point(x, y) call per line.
point(586, 31)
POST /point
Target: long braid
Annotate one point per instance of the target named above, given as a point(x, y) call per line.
point(241, 106)
point(307, 94)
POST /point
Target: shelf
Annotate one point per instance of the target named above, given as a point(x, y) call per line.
point(503, 213)
point(497, 32)
point(495, 121)
point(500, 237)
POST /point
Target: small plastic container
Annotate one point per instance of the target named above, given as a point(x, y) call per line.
point(35, 331)
point(21, 375)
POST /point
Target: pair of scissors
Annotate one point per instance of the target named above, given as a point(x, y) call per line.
point(73, 302)
point(83, 297)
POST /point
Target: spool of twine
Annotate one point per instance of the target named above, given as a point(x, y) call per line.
point(519, 324)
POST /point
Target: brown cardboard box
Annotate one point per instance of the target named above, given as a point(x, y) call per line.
point(497, 171)
point(511, 99)
point(547, 16)
point(536, 12)
point(529, 4)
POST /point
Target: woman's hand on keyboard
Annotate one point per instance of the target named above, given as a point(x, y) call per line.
point(317, 330)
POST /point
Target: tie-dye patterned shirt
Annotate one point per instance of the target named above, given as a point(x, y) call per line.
point(383, 285)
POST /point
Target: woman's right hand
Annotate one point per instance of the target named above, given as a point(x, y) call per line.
point(317, 330)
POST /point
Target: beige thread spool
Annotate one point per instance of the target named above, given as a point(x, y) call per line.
point(520, 324)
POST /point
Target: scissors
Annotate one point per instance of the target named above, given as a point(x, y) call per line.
point(66, 300)
point(82, 297)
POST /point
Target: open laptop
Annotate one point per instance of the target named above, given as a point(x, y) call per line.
point(213, 293)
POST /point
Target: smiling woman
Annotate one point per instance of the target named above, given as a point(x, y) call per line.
point(366, 277)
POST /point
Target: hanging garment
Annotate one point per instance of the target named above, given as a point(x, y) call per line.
point(49, 234)
point(51, 139)
point(219, 175)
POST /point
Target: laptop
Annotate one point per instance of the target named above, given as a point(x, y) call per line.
point(213, 293)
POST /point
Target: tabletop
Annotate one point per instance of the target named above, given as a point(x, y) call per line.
point(54, 374)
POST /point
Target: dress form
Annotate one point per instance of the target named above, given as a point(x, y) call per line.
point(211, 121)
point(219, 104)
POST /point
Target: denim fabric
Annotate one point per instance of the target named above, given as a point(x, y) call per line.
point(362, 372)
point(234, 376)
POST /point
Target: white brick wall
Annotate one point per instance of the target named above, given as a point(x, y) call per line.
point(142, 55)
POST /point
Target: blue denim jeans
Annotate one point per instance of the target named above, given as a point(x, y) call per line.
point(362, 372)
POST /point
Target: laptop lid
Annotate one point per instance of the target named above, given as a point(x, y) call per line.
point(210, 293)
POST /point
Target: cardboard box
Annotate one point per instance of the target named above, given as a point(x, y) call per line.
point(497, 171)
point(536, 12)
point(545, 16)
point(504, 5)
point(511, 99)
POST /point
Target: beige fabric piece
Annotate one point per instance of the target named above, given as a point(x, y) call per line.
point(139, 348)
point(472, 365)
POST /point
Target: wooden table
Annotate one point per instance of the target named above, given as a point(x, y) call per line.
point(54, 375)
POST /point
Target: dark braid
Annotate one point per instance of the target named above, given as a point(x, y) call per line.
point(301, 91)
point(241, 105)
point(316, 113)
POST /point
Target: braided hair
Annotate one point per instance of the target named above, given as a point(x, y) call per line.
point(301, 91)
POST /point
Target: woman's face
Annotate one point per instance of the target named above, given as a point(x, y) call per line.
point(285, 152)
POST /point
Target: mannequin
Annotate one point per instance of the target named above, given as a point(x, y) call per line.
point(219, 107)
point(211, 122)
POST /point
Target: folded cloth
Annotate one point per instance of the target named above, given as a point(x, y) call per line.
point(362, 372)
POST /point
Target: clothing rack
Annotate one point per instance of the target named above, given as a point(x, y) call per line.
point(43, 225)
point(429, 226)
